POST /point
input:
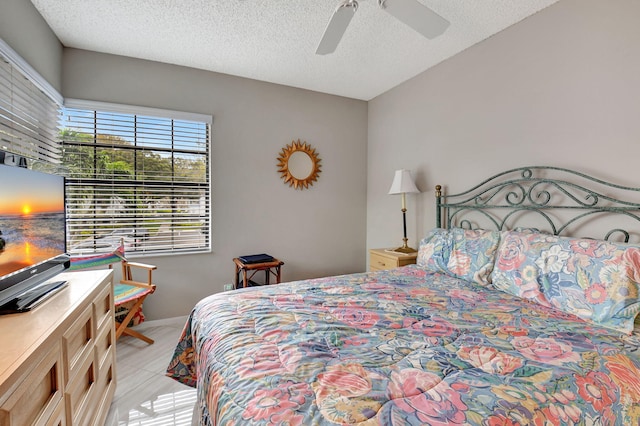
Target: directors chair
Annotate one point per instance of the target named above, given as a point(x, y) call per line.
point(129, 293)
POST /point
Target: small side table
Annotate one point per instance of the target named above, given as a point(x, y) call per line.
point(269, 268)
point(380, 259)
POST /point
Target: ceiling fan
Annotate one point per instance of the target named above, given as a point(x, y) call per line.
point(411, 12)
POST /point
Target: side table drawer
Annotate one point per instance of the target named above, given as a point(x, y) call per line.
point(379, 262)
point(381, 259)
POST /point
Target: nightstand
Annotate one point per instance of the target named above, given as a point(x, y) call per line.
point(380, 259)
point(269, 268)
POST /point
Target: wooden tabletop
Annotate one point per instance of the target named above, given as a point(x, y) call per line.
point(261, 265)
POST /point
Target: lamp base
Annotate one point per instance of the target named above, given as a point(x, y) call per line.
point(404, 249)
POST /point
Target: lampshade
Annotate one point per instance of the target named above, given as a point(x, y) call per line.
point(403, 183)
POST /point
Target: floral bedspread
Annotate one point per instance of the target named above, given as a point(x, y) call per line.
point(401, 347)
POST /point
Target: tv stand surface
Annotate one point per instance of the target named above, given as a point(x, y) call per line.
point(57, 361)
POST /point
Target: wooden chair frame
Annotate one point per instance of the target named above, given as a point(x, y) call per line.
point(128, 279)
point(118, 255)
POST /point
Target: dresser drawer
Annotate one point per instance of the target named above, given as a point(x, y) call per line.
point(58, 418)
point(77, 342)
point(38, 396)
point(381, 259)
point(105, 340)
point(103, 308)
point(79, 392)
point(105, 388)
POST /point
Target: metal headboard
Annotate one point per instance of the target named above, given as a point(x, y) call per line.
point(561, 199)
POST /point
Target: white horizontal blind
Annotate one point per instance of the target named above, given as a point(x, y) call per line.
point(137, 178)
point(28, 115)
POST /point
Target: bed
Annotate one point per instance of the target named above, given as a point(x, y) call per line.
point(496, 324)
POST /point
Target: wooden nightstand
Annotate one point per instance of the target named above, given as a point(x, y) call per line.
point(269, 268)
point(380, 259)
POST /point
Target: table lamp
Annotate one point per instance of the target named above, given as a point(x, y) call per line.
point(403, 184)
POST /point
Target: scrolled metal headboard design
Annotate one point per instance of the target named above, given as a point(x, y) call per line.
point(561, 198)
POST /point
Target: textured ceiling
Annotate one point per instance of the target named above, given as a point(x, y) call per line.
point(275, 40)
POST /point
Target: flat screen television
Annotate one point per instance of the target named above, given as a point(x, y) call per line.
point(32, 236)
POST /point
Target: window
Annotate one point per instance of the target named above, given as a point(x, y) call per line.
point(28, 110)
point(136, 175)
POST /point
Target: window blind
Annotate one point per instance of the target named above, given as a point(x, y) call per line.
point(28, 110)
point(137, 178)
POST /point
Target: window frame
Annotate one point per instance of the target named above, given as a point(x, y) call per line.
point(145, 248)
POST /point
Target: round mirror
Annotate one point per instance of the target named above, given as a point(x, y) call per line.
point(299, 164)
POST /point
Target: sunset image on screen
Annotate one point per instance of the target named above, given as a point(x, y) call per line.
point(30, 196)
point(32, 220)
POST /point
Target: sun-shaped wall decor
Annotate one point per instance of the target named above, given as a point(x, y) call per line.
point(299, 164)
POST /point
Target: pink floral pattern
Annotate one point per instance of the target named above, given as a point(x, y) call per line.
point(461, 253)
point(545, 350)
point(439, 406)
point(406, 347)
point(595, 280)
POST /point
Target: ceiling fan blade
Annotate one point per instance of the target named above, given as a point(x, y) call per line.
point(337, 26)
point(417, 16)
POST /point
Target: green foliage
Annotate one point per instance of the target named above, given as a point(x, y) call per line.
point(113, 158)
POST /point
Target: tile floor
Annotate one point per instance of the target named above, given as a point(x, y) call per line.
point(144, 395)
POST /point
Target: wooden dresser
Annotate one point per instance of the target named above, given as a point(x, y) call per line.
point(380, 259)
point(57, 362)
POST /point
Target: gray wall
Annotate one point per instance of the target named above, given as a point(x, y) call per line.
point(316, 232)
point(22, 28)
point(560, 88)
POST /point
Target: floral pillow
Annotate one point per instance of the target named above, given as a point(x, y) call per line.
point(461, 253)
point(592, 279)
